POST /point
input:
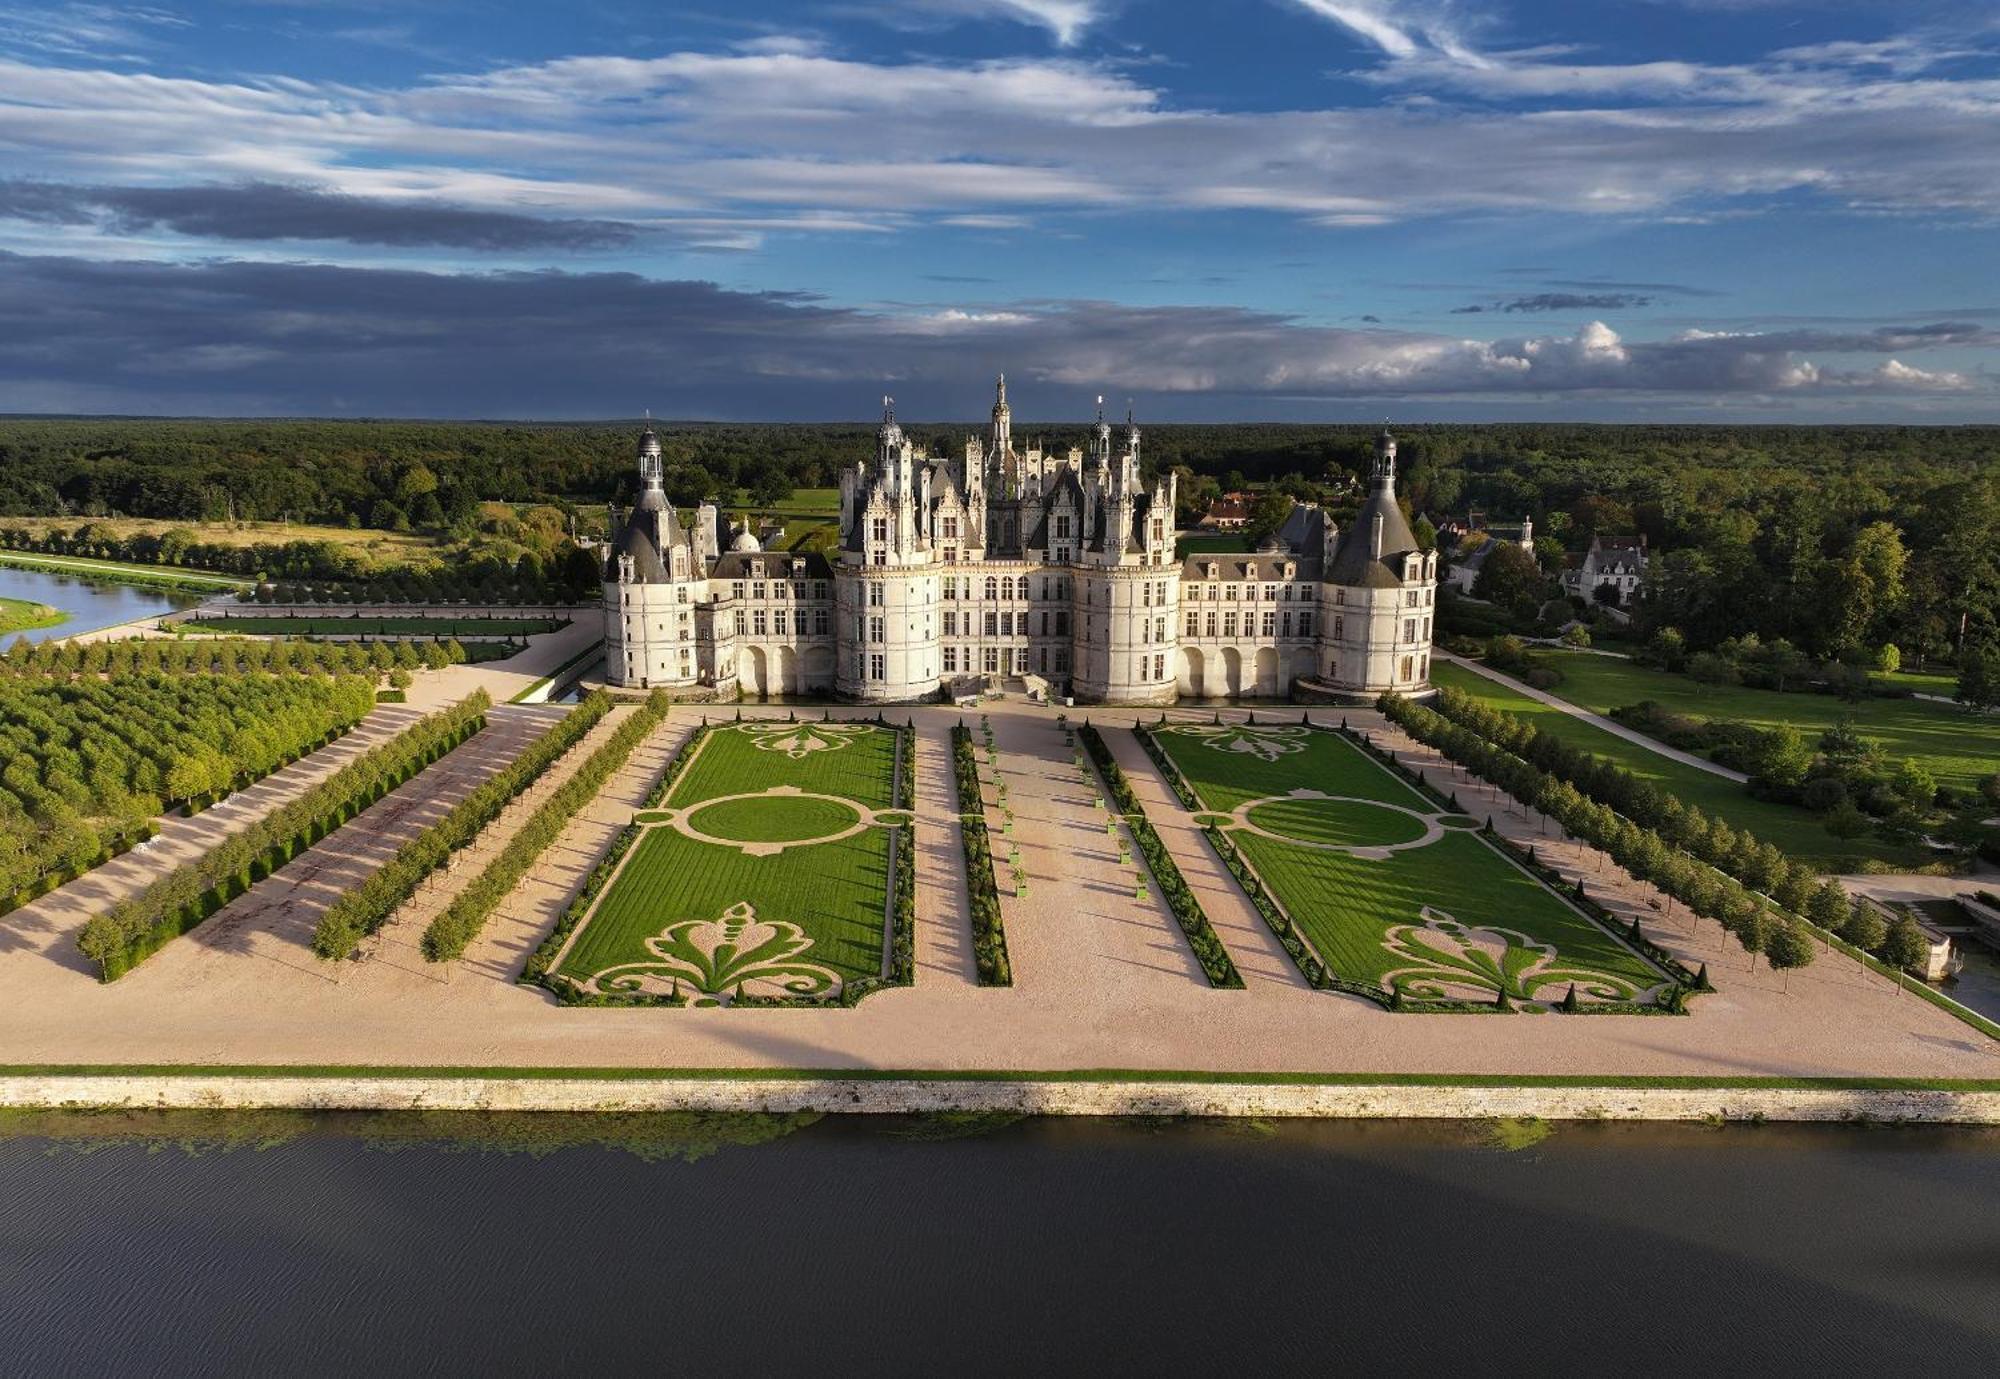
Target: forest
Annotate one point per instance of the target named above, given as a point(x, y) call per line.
point(1840, 539)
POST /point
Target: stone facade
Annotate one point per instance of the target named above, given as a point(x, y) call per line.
point(1006, 562)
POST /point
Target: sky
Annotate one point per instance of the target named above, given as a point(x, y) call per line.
point(1338, 210)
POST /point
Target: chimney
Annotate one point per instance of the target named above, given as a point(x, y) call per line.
point(1375, 538)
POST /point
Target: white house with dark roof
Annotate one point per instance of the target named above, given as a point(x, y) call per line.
point(1007, 562)
point(1621, 565)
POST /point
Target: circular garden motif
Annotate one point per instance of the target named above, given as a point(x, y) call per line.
point(1341, 822)
point(772, 818)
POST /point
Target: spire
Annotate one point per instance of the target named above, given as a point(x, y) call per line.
point(1003, 422)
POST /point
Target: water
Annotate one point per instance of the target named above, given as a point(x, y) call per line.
point(90, 605)
point(695, 1245)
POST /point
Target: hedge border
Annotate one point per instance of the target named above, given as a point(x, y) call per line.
point(452, 931)
point(989, 932)
point(448, 728)
point(1203, 941)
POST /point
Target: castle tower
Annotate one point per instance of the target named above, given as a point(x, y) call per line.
point(1379, 595)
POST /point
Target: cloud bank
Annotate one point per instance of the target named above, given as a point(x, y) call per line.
point(238, 337)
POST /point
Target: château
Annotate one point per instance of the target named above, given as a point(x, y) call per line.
point(1005, 563)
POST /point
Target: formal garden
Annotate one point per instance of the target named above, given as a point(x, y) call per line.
point(1377, 888)
point(762, 874)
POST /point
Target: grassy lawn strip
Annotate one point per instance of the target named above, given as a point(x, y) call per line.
point(582, 657)
point(1608, 1081)
point(1370, 920)
point(1795, 831)
point(1202, 939)
point(769, 819)
point(362, 910)
point(854, 759)
point(132, 930)
point(124, 572)
point(452, 931)
point(356, 625)
point(20, 615)
point(1956, 746)
point(989, 936)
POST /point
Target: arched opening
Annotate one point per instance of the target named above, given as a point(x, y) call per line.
point(1232, 671)
point(788, 671)
point(819, 668)
point(1190, 673)
point(753, 679)
point(1267, 672)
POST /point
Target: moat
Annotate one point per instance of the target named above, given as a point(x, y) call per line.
point(238, 1244)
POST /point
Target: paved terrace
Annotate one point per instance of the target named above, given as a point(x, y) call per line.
point(1103, 980)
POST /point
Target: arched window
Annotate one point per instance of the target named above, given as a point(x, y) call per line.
point(992, 587)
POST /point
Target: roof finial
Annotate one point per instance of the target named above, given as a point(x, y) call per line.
point(888, 408)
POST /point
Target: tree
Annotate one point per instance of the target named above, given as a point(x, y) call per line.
point(1789, 946)
point(1828, 907)
point(1906, 947)
point(1511, 578)
point(1979, 676)
point(1426, 534)
point(1865, 928)
point(1268, 513)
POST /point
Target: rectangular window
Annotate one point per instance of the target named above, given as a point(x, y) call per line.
point(1062, 660)
point(1146, 596)
point(1228, 624)
point(875, 630)
point(992, 624)
point(1229, 592)
point(1140, 674)
point(799, 621)
point(1159, 667)
point(951, 534)
point(951, 660)
point(1020, 660)
point(990, 658)
point(757, 622)
point(875, 594)
point(1285, 624)
point(1062, 525)
point(1062, 622)
point(876, 670)
point(1409, 666)
point(951, 624)
point(1193, 624)
point(1270, 623)
point(757, 590)
point(1007, 624)
point(1211, 622)
point(881, 529)
point(1409, 632)
point(736, 590)
point(1305, 623)
point(820, 622)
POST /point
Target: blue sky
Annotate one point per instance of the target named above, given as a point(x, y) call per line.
point(1678, 210)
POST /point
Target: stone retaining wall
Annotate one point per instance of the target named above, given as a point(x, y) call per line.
point(1078, 1098)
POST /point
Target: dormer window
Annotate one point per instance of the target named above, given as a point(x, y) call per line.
point(1214, 570)
point(1250, 570)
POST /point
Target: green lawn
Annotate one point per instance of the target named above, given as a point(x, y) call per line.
point(351, 626)
point(814, 919)
point(1958, 747)
point(1794, 831)
point(20, 615)
point(856, 760)
point(124, 571)
point(1366, 916)
point(834, 892)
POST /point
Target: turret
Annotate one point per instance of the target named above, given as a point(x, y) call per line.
point(1384, 476)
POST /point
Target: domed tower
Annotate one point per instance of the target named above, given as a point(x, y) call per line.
point(886, 585)
point(654, 577)
point(1378, 597)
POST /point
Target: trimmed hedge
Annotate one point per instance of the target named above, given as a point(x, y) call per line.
point(123, 936)
point(451, 932)
point(361, 911)
point(1201, 936)
point(989, 938)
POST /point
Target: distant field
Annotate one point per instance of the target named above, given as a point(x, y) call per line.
point(380, 547)
point(1202, 542)
point(1958, 747)
point(1795, 831)
point(1389, 888)
point(251, 626)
